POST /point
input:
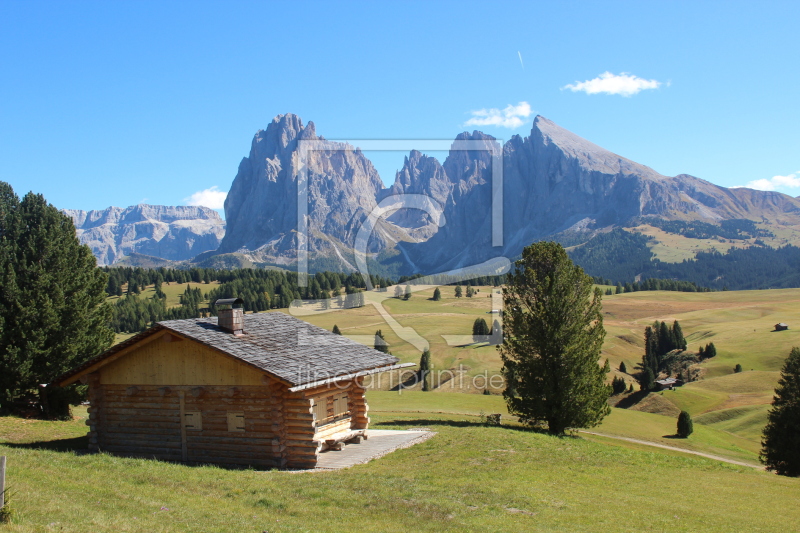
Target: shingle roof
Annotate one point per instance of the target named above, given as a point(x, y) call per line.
point(281, 345)
point(284, 346)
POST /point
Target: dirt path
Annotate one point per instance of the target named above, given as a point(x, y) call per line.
point(675, 449)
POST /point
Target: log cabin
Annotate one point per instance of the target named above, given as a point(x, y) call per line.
point(264, 390)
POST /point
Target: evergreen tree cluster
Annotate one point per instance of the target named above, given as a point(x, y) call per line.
point(623, 255)
point(657, 284)
point(618, 385)
point(708, 352)
point(134, 313)
point(728, 229)
point(659, 340)
point(53, 313)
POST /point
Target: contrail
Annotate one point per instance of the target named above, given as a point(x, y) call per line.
point(520, 60)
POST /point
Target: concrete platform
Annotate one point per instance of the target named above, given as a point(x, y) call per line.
point(380, 443)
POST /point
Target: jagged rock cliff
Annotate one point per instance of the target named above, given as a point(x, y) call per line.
point(261, 207)
point(169, 232)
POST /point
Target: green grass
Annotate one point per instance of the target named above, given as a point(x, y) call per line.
point(468, 477)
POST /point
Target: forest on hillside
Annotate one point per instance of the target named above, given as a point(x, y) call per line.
point(623, 256)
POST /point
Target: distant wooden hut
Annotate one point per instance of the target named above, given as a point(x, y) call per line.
point(781, 326)
point(668, 383)
point(266, 390)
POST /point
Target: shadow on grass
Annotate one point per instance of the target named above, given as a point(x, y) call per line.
point(75, 444)
point(425, 422)
point(632, 399)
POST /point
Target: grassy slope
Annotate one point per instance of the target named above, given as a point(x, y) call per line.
point(739, 323)
point(673, 248)
point(467, 477)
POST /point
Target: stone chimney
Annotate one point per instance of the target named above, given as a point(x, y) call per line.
point(230, 315)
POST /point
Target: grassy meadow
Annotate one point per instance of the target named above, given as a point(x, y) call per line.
point(467, 477)
point(470, 476)
point(729, 409)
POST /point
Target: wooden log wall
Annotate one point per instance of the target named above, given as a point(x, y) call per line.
point(146, 421)
point(358, 405)
point(280, 429)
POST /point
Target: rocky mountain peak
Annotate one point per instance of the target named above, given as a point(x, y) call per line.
point(170, 232)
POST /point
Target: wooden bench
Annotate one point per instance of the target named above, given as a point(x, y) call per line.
point(338, 442)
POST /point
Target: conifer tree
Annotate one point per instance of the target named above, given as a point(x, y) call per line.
point(677, 333)
point(336, 330)
point(553, 335)
point(437, 295)
point(480, 328)
point(780, 443)
point(53, 313)
point(424, 369)
point(618, 385)
point(380, 343)
point(685, 425)
point(711, 350)
point(649, 381)
point(458, 291)
point(623, 368)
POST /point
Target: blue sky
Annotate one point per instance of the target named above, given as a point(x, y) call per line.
point(117, 103)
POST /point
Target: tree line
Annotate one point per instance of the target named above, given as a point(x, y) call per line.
point(738, 228)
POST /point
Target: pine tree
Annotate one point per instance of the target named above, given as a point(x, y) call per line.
point(470, 291)
point(53, 313)
point(711, 350)
point(424, 369)
point(458, 291)
point(618, 385)
point(780, 443)
point(437, 295)
point(649, 381)
point(480, 328)
point(623, 368)
point(554, 331)
point(336, 330)
point(618, 289)
point(665, 341)
point(685, 425)
point(677, 333)
point(737, 368)
point(380, 343)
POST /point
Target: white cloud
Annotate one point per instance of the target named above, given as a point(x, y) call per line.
point(792, 181)
point(510, 117)
point(608, 83)
point(211, 197)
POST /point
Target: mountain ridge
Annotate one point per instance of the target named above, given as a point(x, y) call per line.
point(554, 182)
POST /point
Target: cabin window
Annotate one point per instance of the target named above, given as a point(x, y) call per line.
point(235, 422)
point(192, 420)
point(340, 406)
point(320, 410)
